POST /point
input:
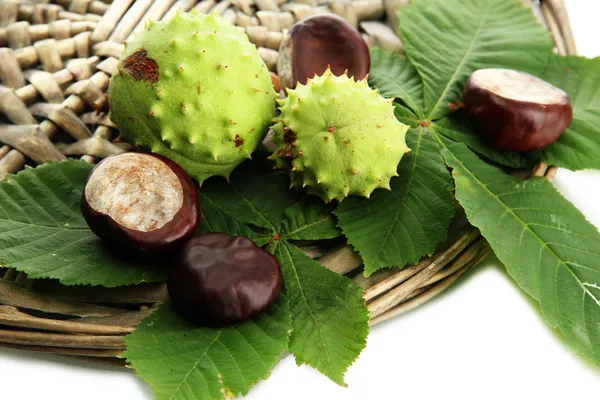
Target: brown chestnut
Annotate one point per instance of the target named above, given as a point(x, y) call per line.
point(320, 41)
point(141, 201)
point(221, 279)
point(515, 111)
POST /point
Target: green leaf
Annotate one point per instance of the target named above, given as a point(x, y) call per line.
point(253, 196)
point(547, 245)
point(579, 147)
point(182, 361)
point(329, 315)
point(216, 220)
point(401, 226)
point(305, 218)
point(446, 40)
point(309, 219)
point(43, 233)
point(458, 128)
point(395, 77)
point(330, 321)
point(406, 116)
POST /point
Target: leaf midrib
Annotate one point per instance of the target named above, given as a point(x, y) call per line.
point(185, 378)
point(524, 224)
point(305, 300)
point(256, 211)
point(62, 227)
point(414, 107)
point(404, 119)
point(288, 235)
point(450, 82)
point(405, 197)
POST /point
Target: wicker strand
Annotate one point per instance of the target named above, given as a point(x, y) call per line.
point(11, 75)
point(62, 115)
point(155, 13)
point(558, 11)
point(425, 295)
point(66, 351)
point(22, 34)
point(398, 294)
point(53, 51)
point(110, 20)
point(11, 316)
point(126, 24)
point(17, 296)
point(8, 13)
point(61, 340)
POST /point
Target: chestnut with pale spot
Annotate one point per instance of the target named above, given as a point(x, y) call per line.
point(141, 201)
point(516, 111)
point(221, 279)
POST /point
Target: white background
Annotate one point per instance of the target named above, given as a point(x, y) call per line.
point(482, 339)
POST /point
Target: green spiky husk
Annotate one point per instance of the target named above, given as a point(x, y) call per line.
point(338, 137)
point(212, 102)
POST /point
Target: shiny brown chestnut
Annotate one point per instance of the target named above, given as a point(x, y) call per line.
point(221, 279)
point(141, 201)
point(320, 41)
point(515, 111)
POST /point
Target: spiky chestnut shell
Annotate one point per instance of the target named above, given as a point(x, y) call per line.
point(195, 90)
point(338, 137)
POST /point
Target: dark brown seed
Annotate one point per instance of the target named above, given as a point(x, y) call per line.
point(320, 41)
point(220, 280)
point(515, 111)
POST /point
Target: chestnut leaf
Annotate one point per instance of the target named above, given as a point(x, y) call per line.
point(546, 244)
point(458, 128)
point(579, 147)
point(43, 233)
point(309, 219)
point(329, 316)
point(446, 40)
point(253, 196)
point(398, 227)
point(406, 116)
point(216, 220)
point(395, 77)
point(182, 361)
point(330, 322)
point(262, 199)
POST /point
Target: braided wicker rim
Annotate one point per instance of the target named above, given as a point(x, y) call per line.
point(55, 64)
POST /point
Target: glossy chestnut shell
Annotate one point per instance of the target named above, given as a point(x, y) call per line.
point(141, 201)
point(320, 41)
point(220, 280)
point(515, 111)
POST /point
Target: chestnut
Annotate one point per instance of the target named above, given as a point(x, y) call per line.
point(221, 279)
point(320, 41)
point(141, 201)
point(516, 111)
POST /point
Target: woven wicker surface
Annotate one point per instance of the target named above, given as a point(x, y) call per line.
point(55, 64)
